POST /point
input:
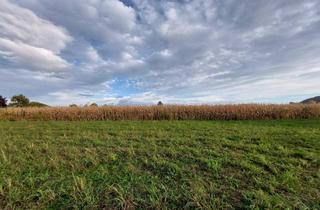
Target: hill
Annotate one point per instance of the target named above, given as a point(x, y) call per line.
point(311, 100)
point(37, 104)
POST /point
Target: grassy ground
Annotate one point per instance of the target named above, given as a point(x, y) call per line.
point(160, 164)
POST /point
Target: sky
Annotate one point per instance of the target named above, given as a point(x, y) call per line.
point(142, 51)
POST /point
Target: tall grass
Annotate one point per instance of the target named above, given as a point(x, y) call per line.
point(168, 112)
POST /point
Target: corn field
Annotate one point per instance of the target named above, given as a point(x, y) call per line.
point(168, 112)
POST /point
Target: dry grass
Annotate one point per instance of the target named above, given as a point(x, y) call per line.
point(168, 112)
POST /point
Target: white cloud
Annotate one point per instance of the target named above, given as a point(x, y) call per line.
point(31, 57)
point(194, 51)
point(29, 41)
point(118, 16)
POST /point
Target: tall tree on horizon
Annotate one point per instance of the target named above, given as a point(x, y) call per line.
point(3, 102)
point(19, 101)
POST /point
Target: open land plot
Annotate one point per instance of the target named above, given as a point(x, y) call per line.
point(160, 164)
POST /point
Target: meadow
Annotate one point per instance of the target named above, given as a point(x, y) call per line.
point(260, 164)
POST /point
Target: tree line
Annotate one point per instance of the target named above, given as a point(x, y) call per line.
point(19, 101)
point(23, 101)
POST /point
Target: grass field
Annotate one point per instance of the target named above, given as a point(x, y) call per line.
point(160, 165)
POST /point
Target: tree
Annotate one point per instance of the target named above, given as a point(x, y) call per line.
point(3, 102)
point(94, 104)
point(73, 105)
point(160, 103)
point(19, 101)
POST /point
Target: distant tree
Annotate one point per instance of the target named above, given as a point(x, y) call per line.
point(37, 104)
point(3, 102)
point(94, 104)
point(73, 105)
point(160, 103)
point(19, 101)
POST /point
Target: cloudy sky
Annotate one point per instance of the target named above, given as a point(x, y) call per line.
point(142, 51)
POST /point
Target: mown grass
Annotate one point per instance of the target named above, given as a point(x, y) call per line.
point(160, 165)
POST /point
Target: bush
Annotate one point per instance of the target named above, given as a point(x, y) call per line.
point(3, 102)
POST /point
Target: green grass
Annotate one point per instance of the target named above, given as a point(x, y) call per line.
point(160, 165)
